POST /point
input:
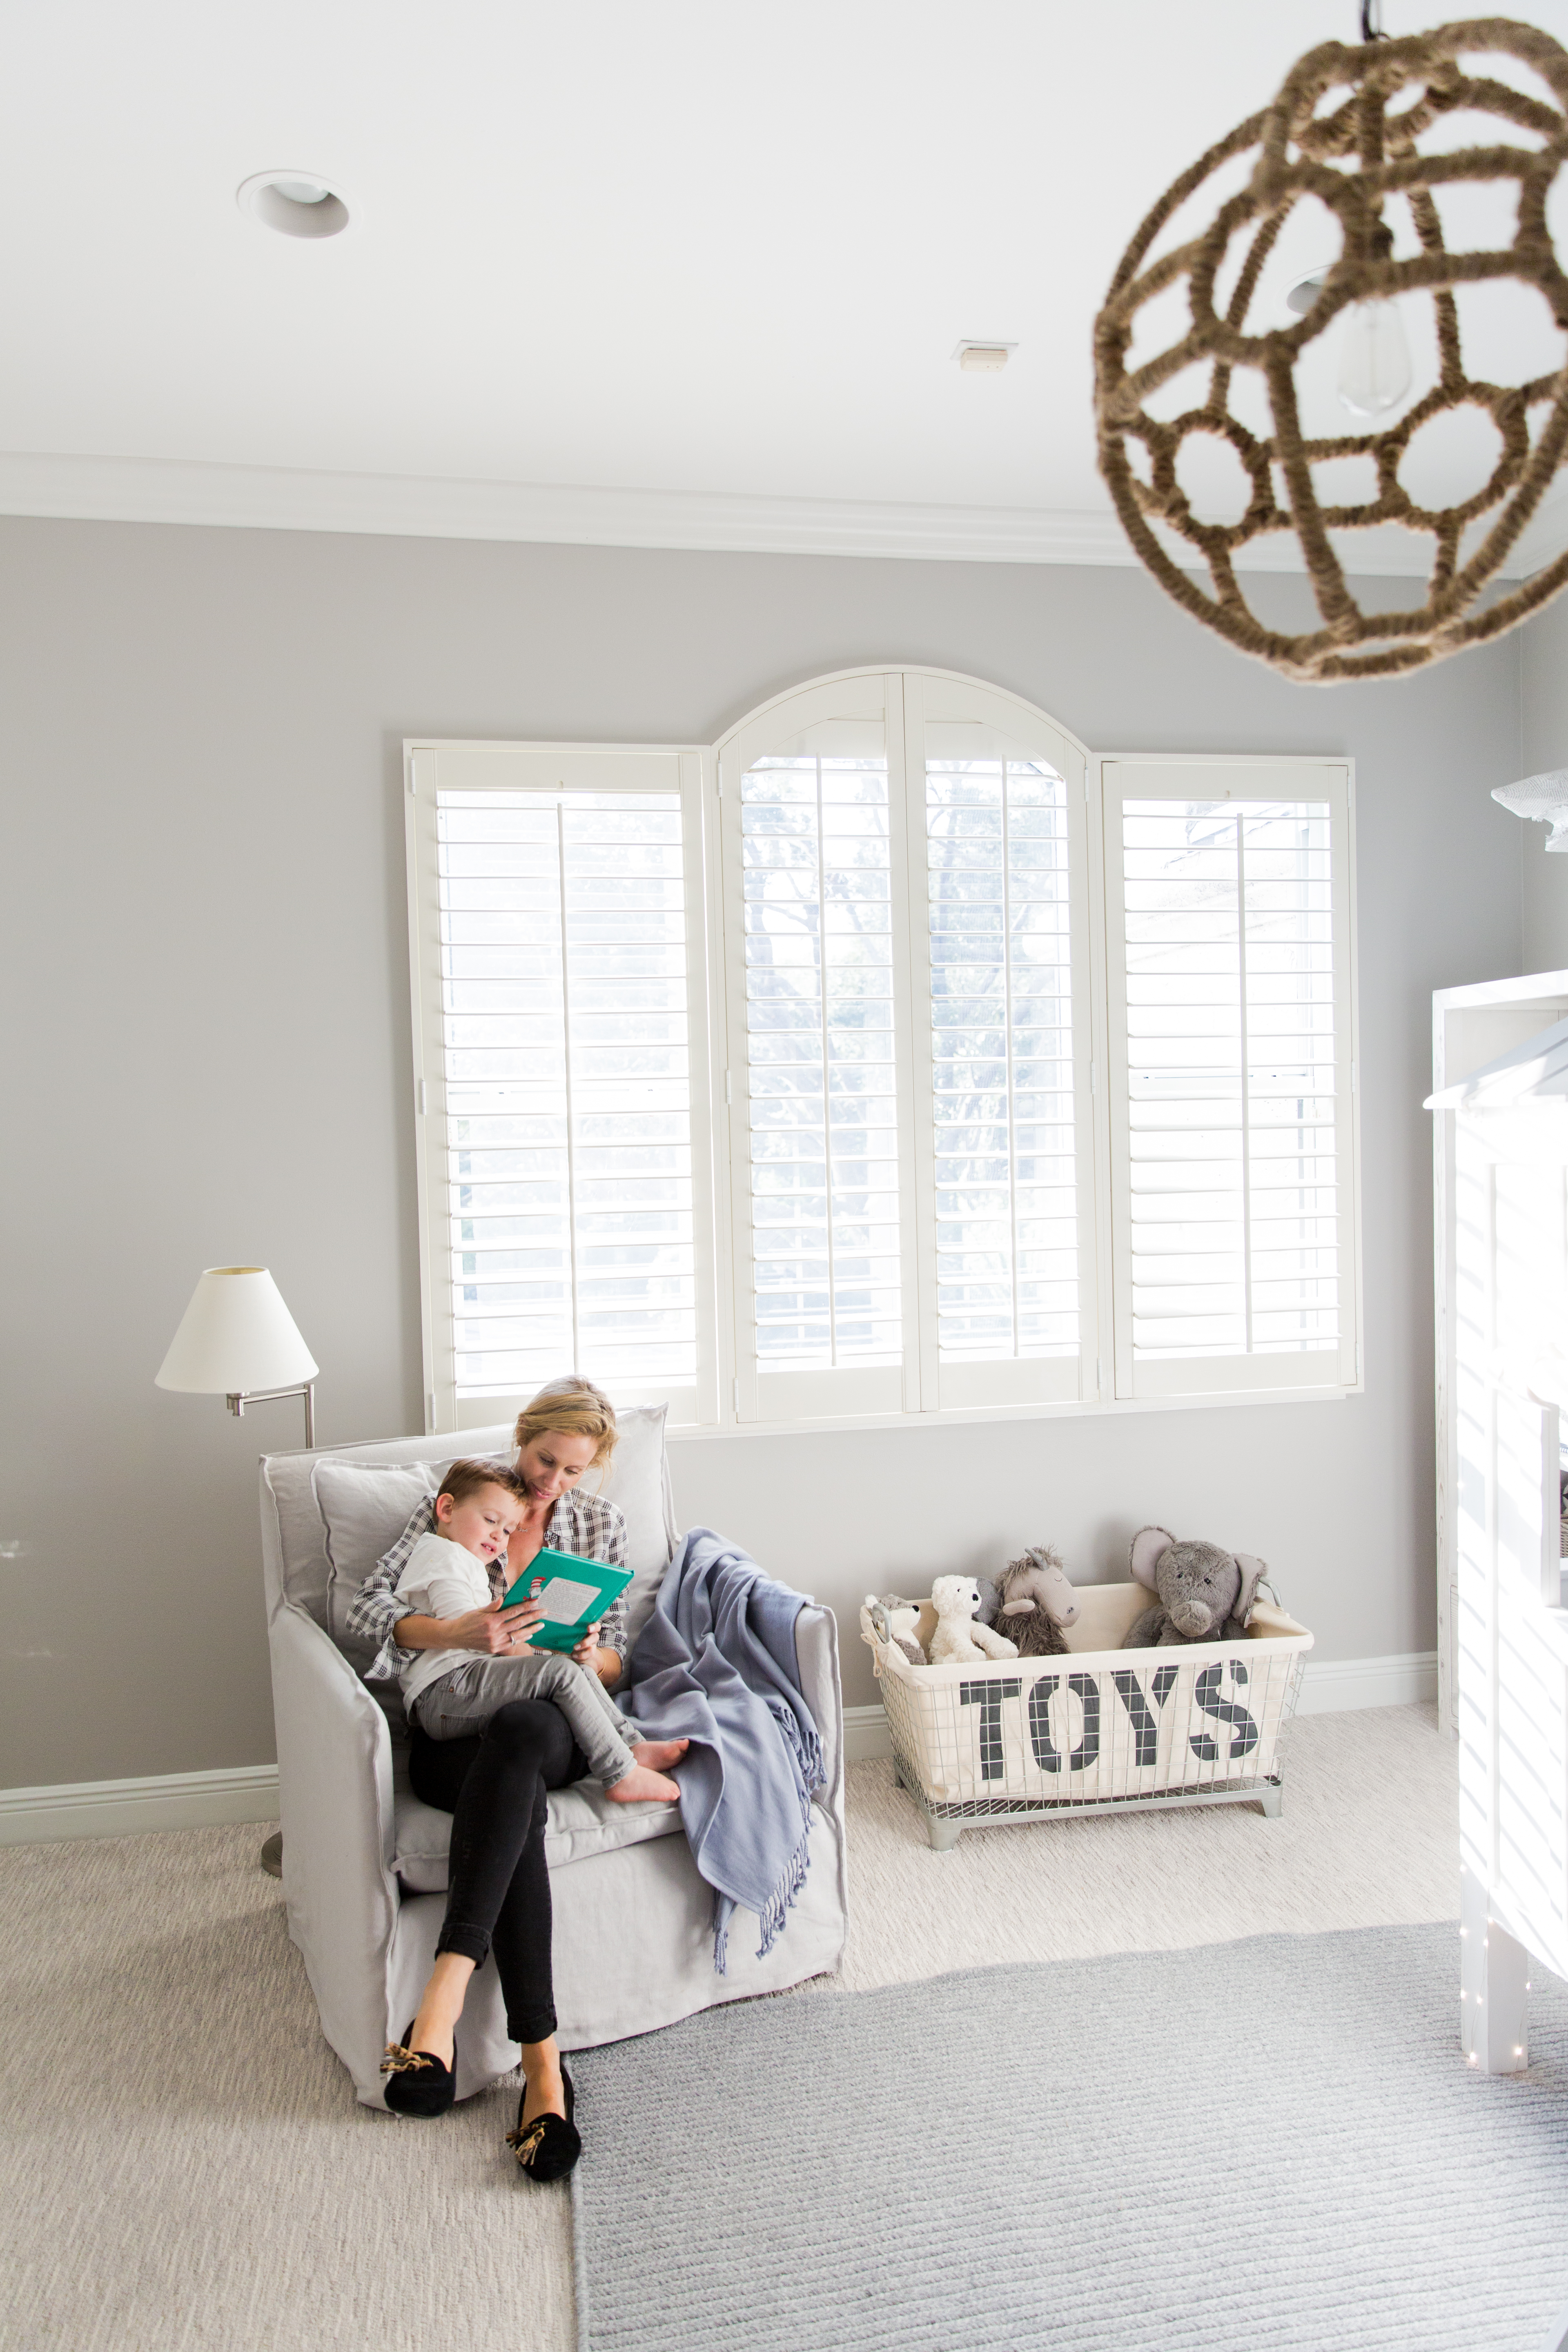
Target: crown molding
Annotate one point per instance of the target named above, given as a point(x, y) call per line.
point(266, 498)
point(271, 498)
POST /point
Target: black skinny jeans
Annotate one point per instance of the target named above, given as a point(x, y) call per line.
point(496, 1787)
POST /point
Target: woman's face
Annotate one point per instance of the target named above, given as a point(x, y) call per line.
point(553, 1462)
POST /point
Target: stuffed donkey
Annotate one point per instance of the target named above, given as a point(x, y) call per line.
point(1205, 1594)
point(1036, 1602)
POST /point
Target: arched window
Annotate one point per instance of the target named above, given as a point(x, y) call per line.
point(906, 923)
point(891, 1057)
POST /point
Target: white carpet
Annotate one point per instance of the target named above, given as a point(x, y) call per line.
point(184, 2168)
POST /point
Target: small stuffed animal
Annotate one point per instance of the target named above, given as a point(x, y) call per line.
point(895, 1620)
point(1036, 1601)
point(1205, 1594)
point(990, 1600)
point(958, 1637)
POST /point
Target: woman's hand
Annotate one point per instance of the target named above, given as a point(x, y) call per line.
point(494, 1633)
point(606, 1663)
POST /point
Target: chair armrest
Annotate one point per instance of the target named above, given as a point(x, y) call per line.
point(335, 1774)
point(816, 1655)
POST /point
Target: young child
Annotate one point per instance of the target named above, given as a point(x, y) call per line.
point(453, 1693)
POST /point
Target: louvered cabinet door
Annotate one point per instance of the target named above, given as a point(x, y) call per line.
point(1511, 1635)
point(1229, 992)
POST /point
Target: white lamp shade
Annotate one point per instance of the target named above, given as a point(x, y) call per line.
point(236, 1335)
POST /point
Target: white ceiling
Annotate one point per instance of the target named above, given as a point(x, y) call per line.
point(706, 251)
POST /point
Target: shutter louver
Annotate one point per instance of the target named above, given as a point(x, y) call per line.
point(820, 1063)
point(1236, 1102)
point(567, 1087)
point(1001, 1060)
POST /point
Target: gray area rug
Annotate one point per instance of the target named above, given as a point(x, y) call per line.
point(1270, 2146)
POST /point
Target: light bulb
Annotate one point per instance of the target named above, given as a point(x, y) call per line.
point(1374, 359)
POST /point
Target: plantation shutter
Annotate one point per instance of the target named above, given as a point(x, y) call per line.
point(559, 1055)
point(1228, 927)
point(1004, 1148)
point(907, 1008)
point(817, 939)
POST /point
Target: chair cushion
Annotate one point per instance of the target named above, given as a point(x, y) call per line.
point(363, 1510)
point(583, 1822)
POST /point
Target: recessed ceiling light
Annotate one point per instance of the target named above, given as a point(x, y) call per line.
point(983, 357)
point(296, 204)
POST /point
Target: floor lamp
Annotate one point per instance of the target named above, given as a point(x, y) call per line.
point(237, 1339)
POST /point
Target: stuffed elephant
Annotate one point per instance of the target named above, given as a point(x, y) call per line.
point(1204, 1594)
point(1036, 1601)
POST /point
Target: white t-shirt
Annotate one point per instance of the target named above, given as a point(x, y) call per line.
point(440, 1580)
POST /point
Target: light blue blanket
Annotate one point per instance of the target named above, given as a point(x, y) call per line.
point(715, 1665)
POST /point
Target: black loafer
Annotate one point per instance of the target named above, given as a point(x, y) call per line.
point(418, 2082)
point(549, 2148)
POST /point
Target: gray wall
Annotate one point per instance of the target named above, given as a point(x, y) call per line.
point(1544, 681)
point(206, 1040)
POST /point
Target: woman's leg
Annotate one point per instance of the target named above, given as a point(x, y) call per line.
point(496, 1788)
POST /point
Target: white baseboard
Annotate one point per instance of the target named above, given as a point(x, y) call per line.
point(864, 1733)
point(1329, 1686)
point(249, 1792)
point(169, 1801)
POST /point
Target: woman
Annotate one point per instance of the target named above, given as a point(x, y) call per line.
point(496, 1785)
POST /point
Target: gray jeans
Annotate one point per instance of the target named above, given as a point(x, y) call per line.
point(463, 1702)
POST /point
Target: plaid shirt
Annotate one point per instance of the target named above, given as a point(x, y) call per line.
point(585, 1524)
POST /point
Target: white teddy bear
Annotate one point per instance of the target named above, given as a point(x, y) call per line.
point(957, 1638)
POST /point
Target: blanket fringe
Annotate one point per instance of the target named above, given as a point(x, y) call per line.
point(774, 1913)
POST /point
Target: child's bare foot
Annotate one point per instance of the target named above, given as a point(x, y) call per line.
point(642, 1787)
point(659, 1755)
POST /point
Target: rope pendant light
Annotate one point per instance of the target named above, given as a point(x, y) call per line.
point(1359, 130)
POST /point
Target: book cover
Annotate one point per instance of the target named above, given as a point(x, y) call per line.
point(576, 1594)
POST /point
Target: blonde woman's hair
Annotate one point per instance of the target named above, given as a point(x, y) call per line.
point(575, 1408)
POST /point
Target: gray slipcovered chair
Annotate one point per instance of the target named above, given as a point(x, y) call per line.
point(365, 1863)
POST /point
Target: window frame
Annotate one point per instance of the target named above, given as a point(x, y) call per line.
point(901, 697)
point(1176, 1384)
point(474, 766)
point(709, 784)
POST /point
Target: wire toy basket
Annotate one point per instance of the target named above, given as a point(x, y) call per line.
point(1100, 1729)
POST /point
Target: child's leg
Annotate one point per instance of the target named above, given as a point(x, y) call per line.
point(462, 1702)
point(597, 1725)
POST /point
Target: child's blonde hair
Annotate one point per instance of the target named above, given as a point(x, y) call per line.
point(574, 1407)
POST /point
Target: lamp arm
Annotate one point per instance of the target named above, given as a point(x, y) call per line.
point(238, 1399)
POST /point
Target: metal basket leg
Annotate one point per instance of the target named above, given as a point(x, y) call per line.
point(943, 1836)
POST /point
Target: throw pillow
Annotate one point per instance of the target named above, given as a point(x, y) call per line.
point(364, 1510)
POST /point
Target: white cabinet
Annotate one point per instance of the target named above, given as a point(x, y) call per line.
point(1502, 1254)
point(1471, 1027)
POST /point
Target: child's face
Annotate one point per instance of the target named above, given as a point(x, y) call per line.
point(481, 1522)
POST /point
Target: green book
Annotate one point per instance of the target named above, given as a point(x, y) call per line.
point(576, 1594)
